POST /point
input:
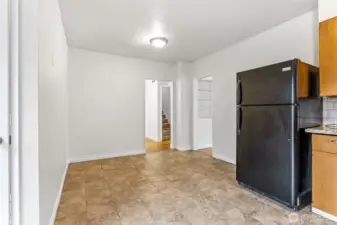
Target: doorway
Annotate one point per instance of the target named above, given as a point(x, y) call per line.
point(203, 115)
point(159, 126)
point(4, 113)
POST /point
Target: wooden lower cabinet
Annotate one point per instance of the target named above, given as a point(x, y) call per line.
point(324, 181)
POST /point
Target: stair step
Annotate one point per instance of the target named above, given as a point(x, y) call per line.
point(166, 125)
point(166, 138)
point(166, 128)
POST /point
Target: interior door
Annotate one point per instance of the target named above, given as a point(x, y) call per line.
point(4, 112)
point(265, 145)
point(270, 85)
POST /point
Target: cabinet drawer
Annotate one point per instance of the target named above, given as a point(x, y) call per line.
point(324, 143)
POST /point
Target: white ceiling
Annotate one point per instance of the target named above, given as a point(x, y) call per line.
point(194, 28)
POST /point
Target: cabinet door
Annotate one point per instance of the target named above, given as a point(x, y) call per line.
point(324, 182)
point(328, 57)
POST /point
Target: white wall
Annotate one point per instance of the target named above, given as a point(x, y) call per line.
point(28, 120)
point(183, 98)
point(53, 108)
point(327, 9)
point(152, 110)
point(107, 102)
point(43, 110)
point(295, 38)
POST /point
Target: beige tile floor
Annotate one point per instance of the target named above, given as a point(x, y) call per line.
point(168, 187)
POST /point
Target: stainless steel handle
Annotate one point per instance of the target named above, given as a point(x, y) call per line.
point(1, 140)
point(333, 141)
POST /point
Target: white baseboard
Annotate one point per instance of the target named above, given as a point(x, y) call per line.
point(324, 214)
point(105, 156)
point(58, 198)
point(154, 139)
point(224, 158)
point(204, 146)
point(183, 148)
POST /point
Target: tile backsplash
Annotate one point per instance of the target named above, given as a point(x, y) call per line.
point(330, 110)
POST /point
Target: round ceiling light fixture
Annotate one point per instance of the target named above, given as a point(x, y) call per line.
point(158, 42)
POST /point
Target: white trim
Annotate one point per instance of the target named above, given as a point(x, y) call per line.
point(105, 156)
point(203, 147)
point(224, 158)
point(172, 116)
point(171, 85)
point(5, 110)
point(160, 110)
point(324, 214)
point(14, 108)
point(58, 199)
point(153, 139)
point(184, 148)
point(195, 114)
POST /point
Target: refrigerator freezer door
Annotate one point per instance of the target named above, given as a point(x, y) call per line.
point(270, 85)
point(266, 154)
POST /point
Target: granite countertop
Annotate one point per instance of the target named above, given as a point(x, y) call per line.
point(321, 130)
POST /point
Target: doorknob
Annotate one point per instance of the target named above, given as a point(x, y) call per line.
point(1, 140)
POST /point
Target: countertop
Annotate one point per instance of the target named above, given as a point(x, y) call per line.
point(321, 130)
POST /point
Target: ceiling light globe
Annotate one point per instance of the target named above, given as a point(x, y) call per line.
point(158, 42)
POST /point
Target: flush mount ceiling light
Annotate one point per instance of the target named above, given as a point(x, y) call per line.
point(158, 42)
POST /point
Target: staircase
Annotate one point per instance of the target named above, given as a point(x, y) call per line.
point(166, 128)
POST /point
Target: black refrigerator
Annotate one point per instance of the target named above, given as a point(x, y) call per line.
point(273, 150)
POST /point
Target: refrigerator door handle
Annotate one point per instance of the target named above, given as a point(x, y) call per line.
point(239, 119)
point(239, 92)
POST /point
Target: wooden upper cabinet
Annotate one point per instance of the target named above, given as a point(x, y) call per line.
point(328, 57)
point(303, 80)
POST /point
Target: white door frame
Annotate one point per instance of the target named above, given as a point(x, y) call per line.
point(5, 68)
point(13, 109)
point(195, 115)
point(172, 86)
